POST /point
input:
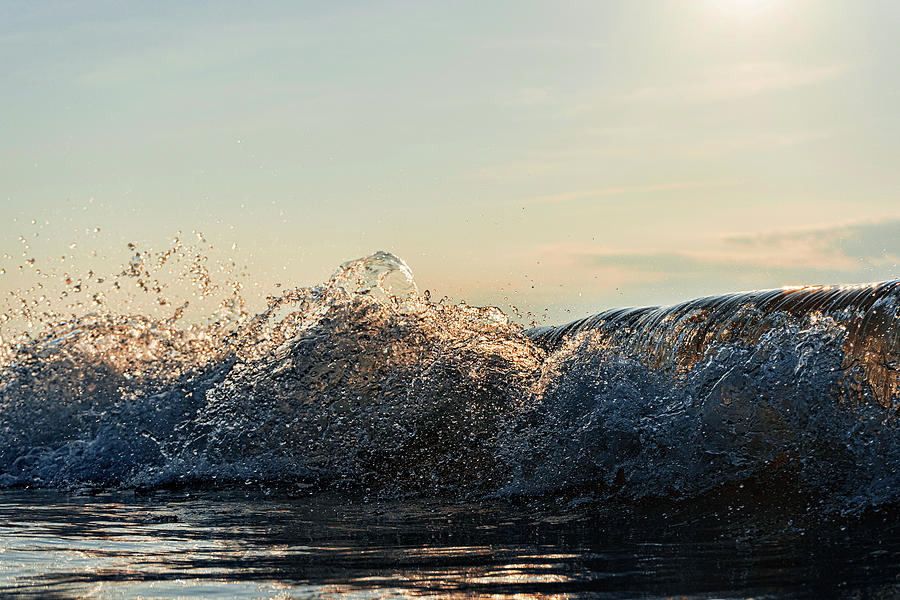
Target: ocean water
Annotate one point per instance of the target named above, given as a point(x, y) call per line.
point(356, 438)
point(280, 544)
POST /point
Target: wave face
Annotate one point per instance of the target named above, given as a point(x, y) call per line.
point(683, 399)
point(361, 382)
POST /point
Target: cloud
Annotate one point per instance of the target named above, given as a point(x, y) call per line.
point(771, 140)
point(615, 142)
point(625, 190)
point(851, 244)
point(861, 251)
point(739, 81)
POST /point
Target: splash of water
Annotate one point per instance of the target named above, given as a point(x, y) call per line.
point(361, 382)
point(344, 382)
point(382, 274)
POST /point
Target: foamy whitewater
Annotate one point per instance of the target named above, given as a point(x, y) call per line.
point(363, 383)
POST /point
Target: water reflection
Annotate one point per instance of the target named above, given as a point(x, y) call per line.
point(257, 546)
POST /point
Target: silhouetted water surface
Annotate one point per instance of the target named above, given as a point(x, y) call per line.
point(290, 545)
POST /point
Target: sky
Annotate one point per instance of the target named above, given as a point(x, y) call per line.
point(561, 157)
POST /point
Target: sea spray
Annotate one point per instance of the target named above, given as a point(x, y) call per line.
point(359, 387)
point(362, 383)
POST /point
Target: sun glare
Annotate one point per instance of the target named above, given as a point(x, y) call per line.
point(744, 8)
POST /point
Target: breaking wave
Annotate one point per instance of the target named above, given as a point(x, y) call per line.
point(362, 382)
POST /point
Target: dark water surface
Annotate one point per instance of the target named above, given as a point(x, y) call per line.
point(281, 544)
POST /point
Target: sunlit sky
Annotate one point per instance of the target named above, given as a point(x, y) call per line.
point(562, 156)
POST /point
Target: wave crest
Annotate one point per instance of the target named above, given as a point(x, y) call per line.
point(360, 382)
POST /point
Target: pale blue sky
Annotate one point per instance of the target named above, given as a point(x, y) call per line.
point(567, 156)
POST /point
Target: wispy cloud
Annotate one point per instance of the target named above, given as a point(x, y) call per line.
point(738, 81)
point(850, 245)
point(843, 247)
point(618, 142)
point(843, 253)
point(625, 190)
point(717, 147)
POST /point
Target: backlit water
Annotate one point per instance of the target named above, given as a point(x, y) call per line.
point(282, 544)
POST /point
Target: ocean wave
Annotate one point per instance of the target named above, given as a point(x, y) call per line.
point(361, 382)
